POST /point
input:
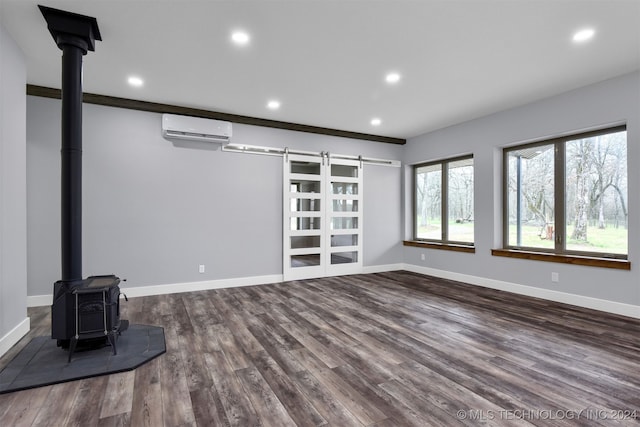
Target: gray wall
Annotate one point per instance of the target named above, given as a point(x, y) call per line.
point(13, 226)
point(152, 211)
point(600, 104)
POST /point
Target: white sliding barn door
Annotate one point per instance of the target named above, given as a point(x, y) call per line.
point(343, 217)
point(322, 227)
point(303, 237)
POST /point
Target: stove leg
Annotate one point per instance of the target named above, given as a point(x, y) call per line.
point(112, 340)
point(72, 347)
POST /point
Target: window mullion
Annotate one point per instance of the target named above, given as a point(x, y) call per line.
point(505, 199)
point(559, 202)
point(444, 194)
point(415, 203)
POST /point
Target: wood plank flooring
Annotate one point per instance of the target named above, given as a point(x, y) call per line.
point(387, 349)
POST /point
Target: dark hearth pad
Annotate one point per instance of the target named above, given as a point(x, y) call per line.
point(43, 363)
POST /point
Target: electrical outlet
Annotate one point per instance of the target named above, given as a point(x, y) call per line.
point(555, 277)
point(201, 268)
point(422, 257)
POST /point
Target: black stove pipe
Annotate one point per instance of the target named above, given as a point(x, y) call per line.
point(74, 34)
point(71, 158)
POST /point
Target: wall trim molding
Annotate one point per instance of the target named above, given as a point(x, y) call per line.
point(14, 335)
point(154, 107)
point(39, 300)
point(622, 309)
point(382, 268)
point(143, 291)
point(174, 288)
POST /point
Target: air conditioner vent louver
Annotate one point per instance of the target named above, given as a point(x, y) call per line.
point(195, 129)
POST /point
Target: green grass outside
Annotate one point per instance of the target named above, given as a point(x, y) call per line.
point(457, 232)
point(607, 240)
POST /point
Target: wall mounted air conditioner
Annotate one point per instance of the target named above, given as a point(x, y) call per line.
point(187, 128)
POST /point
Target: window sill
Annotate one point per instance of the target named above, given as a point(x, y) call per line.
point(441, 246)
point(620, 264)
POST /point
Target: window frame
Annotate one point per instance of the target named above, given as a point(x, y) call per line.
point(444, 208)
point(559, 194)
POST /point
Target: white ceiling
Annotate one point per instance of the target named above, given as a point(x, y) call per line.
point(326, 60)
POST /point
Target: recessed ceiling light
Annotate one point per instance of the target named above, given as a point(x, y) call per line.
point(583, 35)
point(240, 38)
point(392, 78)
point(273, 104)
point(376, 122)
point(135, 81)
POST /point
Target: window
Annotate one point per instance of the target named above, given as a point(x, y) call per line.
point(444, 190)
point(568, 195)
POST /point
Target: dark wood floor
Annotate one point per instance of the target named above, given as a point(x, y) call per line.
point(389, 349)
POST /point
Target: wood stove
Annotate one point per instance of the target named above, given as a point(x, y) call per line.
point(88, 311)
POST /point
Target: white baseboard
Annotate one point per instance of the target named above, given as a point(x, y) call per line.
point(382, 268)
point(14, 335)
point(39, 300)
point(143, 291)
point(563, 297)
point(173, 288)
point(628, 310)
